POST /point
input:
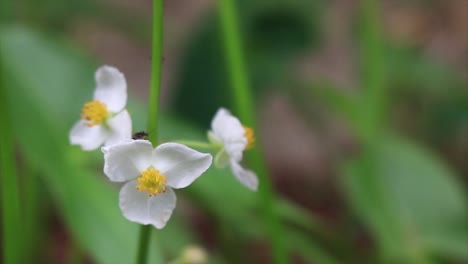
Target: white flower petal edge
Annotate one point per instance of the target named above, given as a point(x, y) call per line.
point(126, 160)
point(111, 88)
point(120, 128)
point(180, 164)
point(246, 177)
point(88, 138)
point(229, 131)
point(138, 207)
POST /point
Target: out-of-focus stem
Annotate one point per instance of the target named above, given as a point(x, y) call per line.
point(32, 213)
point(372, 70)
point(244, 107)
point(7, 10)
point(11, 232)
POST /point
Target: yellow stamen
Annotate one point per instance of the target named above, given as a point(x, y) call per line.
point(152, 182)
point(94, 112)
point(249, 134)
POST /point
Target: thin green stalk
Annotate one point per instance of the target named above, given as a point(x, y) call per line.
point(235, 58)
point(372, 70)
point(145, 232)
point(153, 107)
point(245, 108)
point(156, 66)
point(31, 212)
point(6, 10)
point(373, 111)
point(9, 186)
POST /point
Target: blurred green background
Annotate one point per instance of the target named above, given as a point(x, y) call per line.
point(362, 110)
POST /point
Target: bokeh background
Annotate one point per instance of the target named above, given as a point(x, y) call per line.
point(363, 122)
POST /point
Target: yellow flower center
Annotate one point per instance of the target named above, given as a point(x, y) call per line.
point(94, 112)
point(249, 134)
point(152, 182)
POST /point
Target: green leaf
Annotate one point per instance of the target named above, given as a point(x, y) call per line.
point(411, 200)
point(201, 82)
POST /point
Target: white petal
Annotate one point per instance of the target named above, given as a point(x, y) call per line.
point(180, 164)
point(246, 177)
point(126, 160)
point(111, 88)
point(226, 126)
point(120, 128)
point(230, 131)
point(235, 148)
point(138, 207)
point(89, 138)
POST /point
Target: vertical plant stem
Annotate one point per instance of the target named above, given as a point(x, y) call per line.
point(6, 10)
point(145, 232)
point(156, 60)
point(9, 186)
point(235, 60)
point(373, 111)
point(245, 110)
point(372, 70)
point(31, 212)
point(153, 107)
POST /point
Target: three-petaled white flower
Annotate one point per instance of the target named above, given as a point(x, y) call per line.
point(104, 120)
point(150, 174)
point(233, 138)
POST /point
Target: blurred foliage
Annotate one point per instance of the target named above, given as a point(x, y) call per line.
point(267, 56)
point(418, 208)
point(413, 203)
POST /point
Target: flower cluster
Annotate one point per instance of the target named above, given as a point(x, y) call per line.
point(150, 174)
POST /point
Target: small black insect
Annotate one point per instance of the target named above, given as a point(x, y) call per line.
point(140, 135)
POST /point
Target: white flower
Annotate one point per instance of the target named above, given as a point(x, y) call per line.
point(104, 120)
point(233, 138)
point(150, 174)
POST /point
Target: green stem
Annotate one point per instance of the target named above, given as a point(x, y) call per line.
point(374, 107)
point(32, 213)
point(235, 59)
point(145, 232)
point(155, 84)
point(245, 108)
point(9, 186)
point(196, 144)
point(153, 107)
point(372, 70)
point(7, 9)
